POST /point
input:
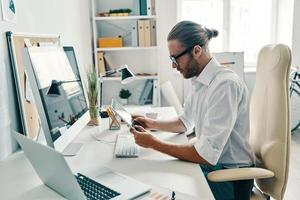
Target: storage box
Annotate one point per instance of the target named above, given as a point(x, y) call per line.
point(110, 42)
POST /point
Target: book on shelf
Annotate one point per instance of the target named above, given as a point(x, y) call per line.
point(146, 95)
point(147, 34)
point(150, 7)
point(134, 33)
point(147, 7)
point(141, 33)
point(145, 74)
point(143, 7)
point(108, 62)
point(101, 64)
point(152, 33)
point(155, 93)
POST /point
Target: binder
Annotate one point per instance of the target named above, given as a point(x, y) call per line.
point(155, 93)
point(147, 33)
point(134, 33)
point(108, 62)
point(141, 33)
point(143, 7)
point(101, 64)
point(150, 7)
point(153, 33)
point(146, 93)
point(153, 7)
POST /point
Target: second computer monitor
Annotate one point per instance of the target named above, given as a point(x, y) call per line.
point(58, 92)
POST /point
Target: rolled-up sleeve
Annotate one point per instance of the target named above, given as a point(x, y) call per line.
point(219, 120)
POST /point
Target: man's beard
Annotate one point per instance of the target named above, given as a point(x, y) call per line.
point(191, 69)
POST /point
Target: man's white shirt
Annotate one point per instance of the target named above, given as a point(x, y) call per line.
point(218, 108)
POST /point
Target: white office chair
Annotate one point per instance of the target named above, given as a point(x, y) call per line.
point(269, 126)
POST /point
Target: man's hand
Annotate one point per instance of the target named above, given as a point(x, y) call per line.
point(146, 123)
point(142, 137)
point(185, 152)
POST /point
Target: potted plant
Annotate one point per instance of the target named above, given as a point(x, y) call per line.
point(120, 12)
point(124, 95)
point(93, 97)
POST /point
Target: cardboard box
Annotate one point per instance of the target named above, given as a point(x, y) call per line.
point(108, 42)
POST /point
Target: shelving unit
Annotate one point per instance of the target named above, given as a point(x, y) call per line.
point(125, 48)
point(125, 17)
point(141, 58)
point(137, 78)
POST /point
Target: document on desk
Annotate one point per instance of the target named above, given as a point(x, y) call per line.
point(160, 193)
point(138, 110)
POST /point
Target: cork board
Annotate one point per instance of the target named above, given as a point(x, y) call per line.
point(28, 110)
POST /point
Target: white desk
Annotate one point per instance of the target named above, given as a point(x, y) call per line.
point(19, 181)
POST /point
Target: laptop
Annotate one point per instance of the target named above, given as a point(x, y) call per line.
point(55, 173)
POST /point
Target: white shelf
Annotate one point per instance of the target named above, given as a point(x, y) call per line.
point(126, 48)
point(125, 17)
point(136, 78)
point(131, 53)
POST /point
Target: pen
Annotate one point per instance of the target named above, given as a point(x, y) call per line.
point(173, 195)
point(227, 63)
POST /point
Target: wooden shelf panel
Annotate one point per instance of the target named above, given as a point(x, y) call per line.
point(126, 48)
point(125, 17)
point(137, 78)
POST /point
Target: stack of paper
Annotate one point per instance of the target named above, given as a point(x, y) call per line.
point(160, 193)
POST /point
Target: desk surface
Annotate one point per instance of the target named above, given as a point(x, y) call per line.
point(19, 181)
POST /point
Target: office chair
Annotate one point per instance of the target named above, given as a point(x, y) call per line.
point(269, 127)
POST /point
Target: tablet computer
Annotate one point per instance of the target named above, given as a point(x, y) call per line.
point(122, 112)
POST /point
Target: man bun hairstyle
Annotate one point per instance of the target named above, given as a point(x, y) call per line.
point(190, 34)
point(211, 33)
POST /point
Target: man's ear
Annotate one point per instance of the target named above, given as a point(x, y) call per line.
point(197, 51)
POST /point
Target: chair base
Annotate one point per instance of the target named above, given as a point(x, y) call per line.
point(258, 195)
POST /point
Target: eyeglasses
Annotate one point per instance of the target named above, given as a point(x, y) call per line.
point(174, 58)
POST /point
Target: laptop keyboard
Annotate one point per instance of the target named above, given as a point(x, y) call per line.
point(94, 190)
point(126, 147)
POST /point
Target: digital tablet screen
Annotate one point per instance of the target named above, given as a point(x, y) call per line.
point(121, 112)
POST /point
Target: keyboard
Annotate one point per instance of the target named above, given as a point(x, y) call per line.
point(126, 147)
point(94, 190)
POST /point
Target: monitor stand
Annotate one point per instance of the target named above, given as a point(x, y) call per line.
point(72, 149)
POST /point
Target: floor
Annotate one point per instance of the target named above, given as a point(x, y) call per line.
point(292, 191)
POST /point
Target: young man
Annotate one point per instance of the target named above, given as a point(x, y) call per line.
point(217, 107)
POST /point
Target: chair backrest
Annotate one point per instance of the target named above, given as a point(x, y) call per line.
point(270, 117)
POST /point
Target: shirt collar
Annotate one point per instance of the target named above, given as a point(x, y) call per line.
point(208, 73)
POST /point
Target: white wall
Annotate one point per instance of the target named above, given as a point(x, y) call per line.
point(296, 35)
point(69, 18)
point(167, 18)
point(166, 23)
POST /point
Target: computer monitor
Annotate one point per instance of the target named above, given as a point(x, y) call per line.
point(59, 94)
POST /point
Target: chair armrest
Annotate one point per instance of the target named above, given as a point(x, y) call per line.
point(239, 174)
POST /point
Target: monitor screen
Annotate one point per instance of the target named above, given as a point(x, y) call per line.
point(60, 89)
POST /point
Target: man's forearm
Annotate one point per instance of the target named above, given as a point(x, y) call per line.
point(185, 152)
point(174, 125)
